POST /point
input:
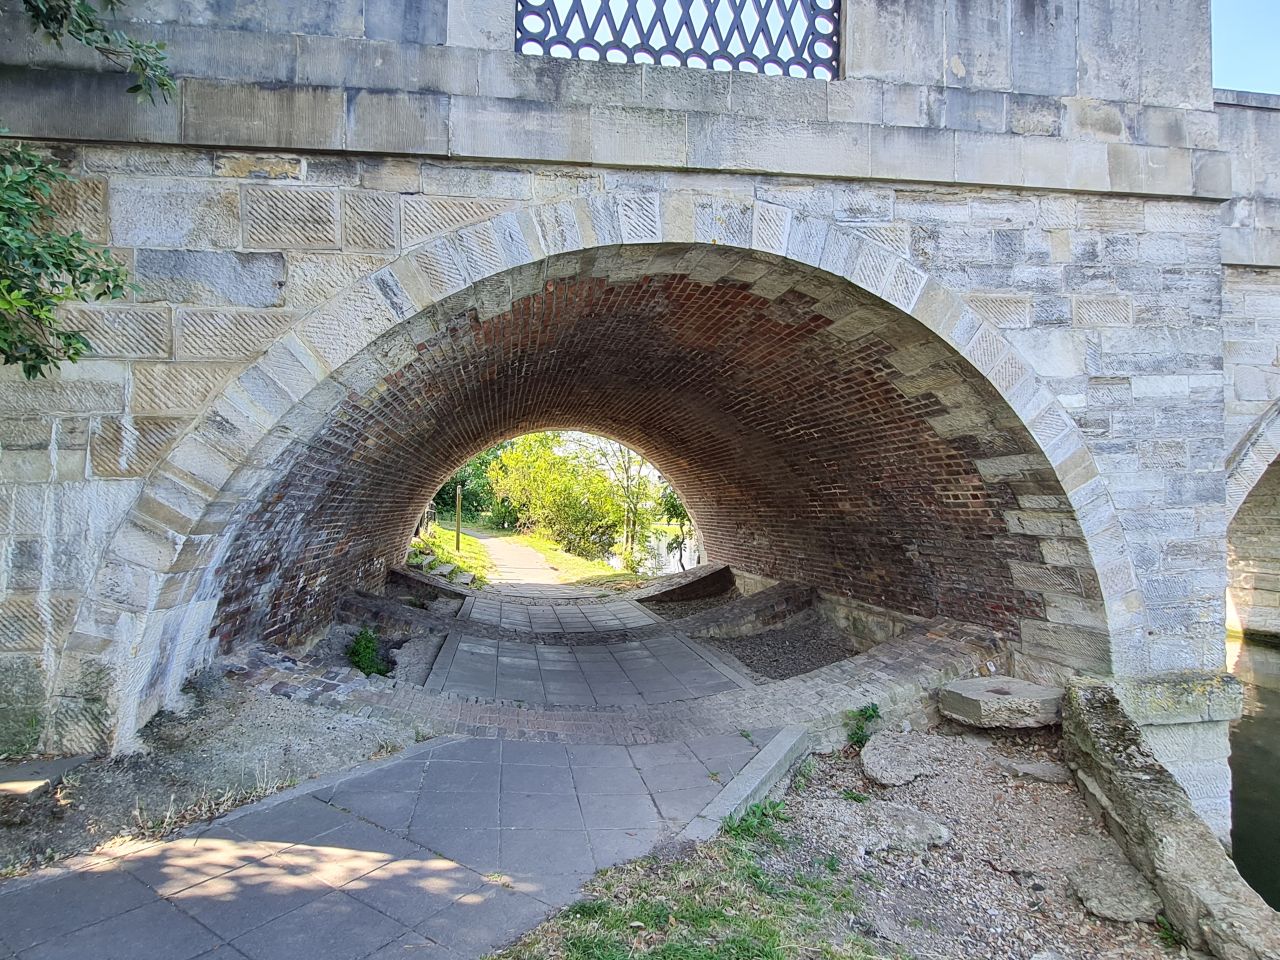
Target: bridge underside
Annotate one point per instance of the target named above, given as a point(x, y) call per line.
point(814, 431)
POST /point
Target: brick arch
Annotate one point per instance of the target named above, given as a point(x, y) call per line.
point(335, 356)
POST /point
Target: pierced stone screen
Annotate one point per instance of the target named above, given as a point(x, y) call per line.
point(797, 38)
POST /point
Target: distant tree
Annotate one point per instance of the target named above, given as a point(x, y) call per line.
point(673, 511)
point(559, 494)
point(41, 265)
point(477, 492)
point(633, 480)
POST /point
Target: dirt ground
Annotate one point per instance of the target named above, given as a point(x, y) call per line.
point(234, 745)
point(997, 888)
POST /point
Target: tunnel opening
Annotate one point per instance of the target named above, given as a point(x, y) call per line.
point(589, 507)
point(816, 432)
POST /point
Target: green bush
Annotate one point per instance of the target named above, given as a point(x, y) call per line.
point(364, 654)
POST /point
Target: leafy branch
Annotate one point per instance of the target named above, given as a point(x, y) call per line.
point(83, 23)
point(41, 267)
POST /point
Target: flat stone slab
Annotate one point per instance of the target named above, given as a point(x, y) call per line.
point(25, 781)
point(999, 701)
point(1115, 891)
point(892, 759)
point(658, 669)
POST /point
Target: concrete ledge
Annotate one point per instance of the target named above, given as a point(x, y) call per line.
point(750, 614)
point(1247, 98)
point(752, 783)
point(1190, 697)
point(431, 108)
point(704, 580)
point(1153, 820)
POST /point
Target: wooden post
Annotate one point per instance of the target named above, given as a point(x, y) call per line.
point(457, 517)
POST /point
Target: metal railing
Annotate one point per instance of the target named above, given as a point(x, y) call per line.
point(796, 38)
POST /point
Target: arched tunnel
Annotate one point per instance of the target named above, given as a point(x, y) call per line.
point(815, 432)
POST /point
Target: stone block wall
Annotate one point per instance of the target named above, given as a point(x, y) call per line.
point(1090, 388)
point(1038, 232)
point(1253, 598)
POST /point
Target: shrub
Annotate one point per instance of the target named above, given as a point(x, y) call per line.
point(365, 654)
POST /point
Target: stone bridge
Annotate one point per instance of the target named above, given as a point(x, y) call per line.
point(985, 328)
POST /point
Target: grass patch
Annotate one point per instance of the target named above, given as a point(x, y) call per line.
point(472, 558)
point(758, 822)
point(570, 567)
point(717, 903)
point(208, 805)
point(364, 654)
point(1170, 936)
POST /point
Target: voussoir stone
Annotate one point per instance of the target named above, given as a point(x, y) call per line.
point(1000, 701)
point(1115, 891)
point(892, 759)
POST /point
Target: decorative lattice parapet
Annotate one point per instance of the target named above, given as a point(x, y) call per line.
point(797, 38)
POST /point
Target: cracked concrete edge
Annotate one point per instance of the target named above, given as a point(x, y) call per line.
point(754, 781)
point(320, 784)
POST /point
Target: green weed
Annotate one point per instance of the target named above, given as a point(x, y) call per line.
point(364, 654)
point(857, 723)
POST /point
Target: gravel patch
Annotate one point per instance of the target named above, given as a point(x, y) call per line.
point(234, 741)
point(679, 609)
point(802, 643)
point(991, 881)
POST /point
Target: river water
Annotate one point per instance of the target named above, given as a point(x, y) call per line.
point(1255, 766)
point(658, 561)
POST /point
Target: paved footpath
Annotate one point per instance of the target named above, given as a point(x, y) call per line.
point(523, 571)
point(446, 852)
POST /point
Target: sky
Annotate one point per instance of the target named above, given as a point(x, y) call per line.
point(1246, 45)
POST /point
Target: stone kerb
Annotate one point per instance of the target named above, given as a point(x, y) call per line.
point(180, 521)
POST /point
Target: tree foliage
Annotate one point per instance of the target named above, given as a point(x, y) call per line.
point(477, 491)
point(671, 508)
point(42, 265)
point(82, 22)
point(558, 493)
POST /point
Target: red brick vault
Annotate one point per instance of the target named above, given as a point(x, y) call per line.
point(815, 432)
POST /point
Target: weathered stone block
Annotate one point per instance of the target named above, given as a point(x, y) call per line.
point(296, 218)
point(165, 388)
point(174, 213)
point(81, 205)
point(273, 116)
point(370, 220)
point(998, 701)
point(398, 122)
point(142, 332)
point(193, 276)
point(257, 166)
point(131, 446)
point(227, 334)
